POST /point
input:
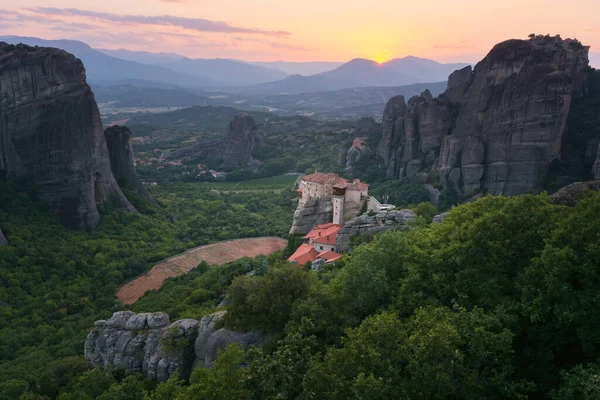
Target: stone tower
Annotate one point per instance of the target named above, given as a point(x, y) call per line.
point(338, 205)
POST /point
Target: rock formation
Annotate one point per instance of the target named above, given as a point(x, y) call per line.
point(571, 194)
point(496, 128)
point(122, 165)
point(358, 151)
point(147, 343)
point(234, 149)
point(366, 126)
point(596, 166)
point(372, 224)
point(51, 134)
point(3, 240)
point(316, 210)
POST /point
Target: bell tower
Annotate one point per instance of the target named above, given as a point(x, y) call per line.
point(339, 196)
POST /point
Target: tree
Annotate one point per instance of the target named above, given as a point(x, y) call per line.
point(437, 354)
point(265, 302)
point(225, 381)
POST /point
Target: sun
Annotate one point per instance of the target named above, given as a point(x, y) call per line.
point(381, 56)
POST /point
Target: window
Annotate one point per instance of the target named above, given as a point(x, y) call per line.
point(332, 249)
point(321, 247)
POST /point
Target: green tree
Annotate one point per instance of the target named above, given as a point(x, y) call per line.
point(225, 381)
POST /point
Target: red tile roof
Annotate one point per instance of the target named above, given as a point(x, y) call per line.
point(328, 235)
point(320, 177)
point(357, 185)
point(304, 254)
point(329, 256)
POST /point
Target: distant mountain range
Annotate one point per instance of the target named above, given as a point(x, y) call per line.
point(301, 68)
point(361, 72)
point(102, 67)
point(232, 72)
point(126, 66)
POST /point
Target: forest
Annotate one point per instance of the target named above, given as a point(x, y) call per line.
point(498, 301)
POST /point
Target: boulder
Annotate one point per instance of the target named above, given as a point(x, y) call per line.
point(571, 194)
point(51, 134)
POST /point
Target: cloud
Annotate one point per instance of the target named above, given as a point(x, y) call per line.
point(194, 24)
point(173, 1)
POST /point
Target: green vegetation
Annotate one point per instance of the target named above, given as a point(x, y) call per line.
point(286, 181)
point(401, 192)
point(55, 282)
point(496, 302)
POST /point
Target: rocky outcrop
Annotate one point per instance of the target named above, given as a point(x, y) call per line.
point(234, 149)
point(372, 224)
point(498, 127)
point(358, 151)
point(415, 136)
point(392, 126)
point(147, 343)
point(512, 116)
point(211, 340)
point(316, 210)
point(365, 127)
point(51, 134)
point(437, 219)
point(3, 240)
point(458, 83)
point(122, 165)
point(571, 194)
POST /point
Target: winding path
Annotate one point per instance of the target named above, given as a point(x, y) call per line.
point(215, 254)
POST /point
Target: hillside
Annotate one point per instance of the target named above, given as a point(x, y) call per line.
point(231, 72)
point(102, 67)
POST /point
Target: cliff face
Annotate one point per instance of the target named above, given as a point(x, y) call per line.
point(235, 148)
point(51, 134)
point(496, 128)
point(149, 344)
point(118, 140)
point(596, 166)
point(314, 211)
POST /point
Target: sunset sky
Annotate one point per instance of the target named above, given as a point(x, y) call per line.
point(304, 30)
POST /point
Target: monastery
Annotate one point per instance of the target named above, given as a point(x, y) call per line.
point(347, 198)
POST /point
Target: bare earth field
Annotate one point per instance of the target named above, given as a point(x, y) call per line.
point(214, 254)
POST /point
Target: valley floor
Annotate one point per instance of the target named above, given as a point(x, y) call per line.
point(215, 254)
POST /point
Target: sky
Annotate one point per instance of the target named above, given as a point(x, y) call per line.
point(304, 30)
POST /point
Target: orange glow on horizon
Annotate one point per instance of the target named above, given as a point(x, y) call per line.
point(436, 29)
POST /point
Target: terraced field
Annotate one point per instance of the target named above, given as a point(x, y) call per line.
point(215, 254)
